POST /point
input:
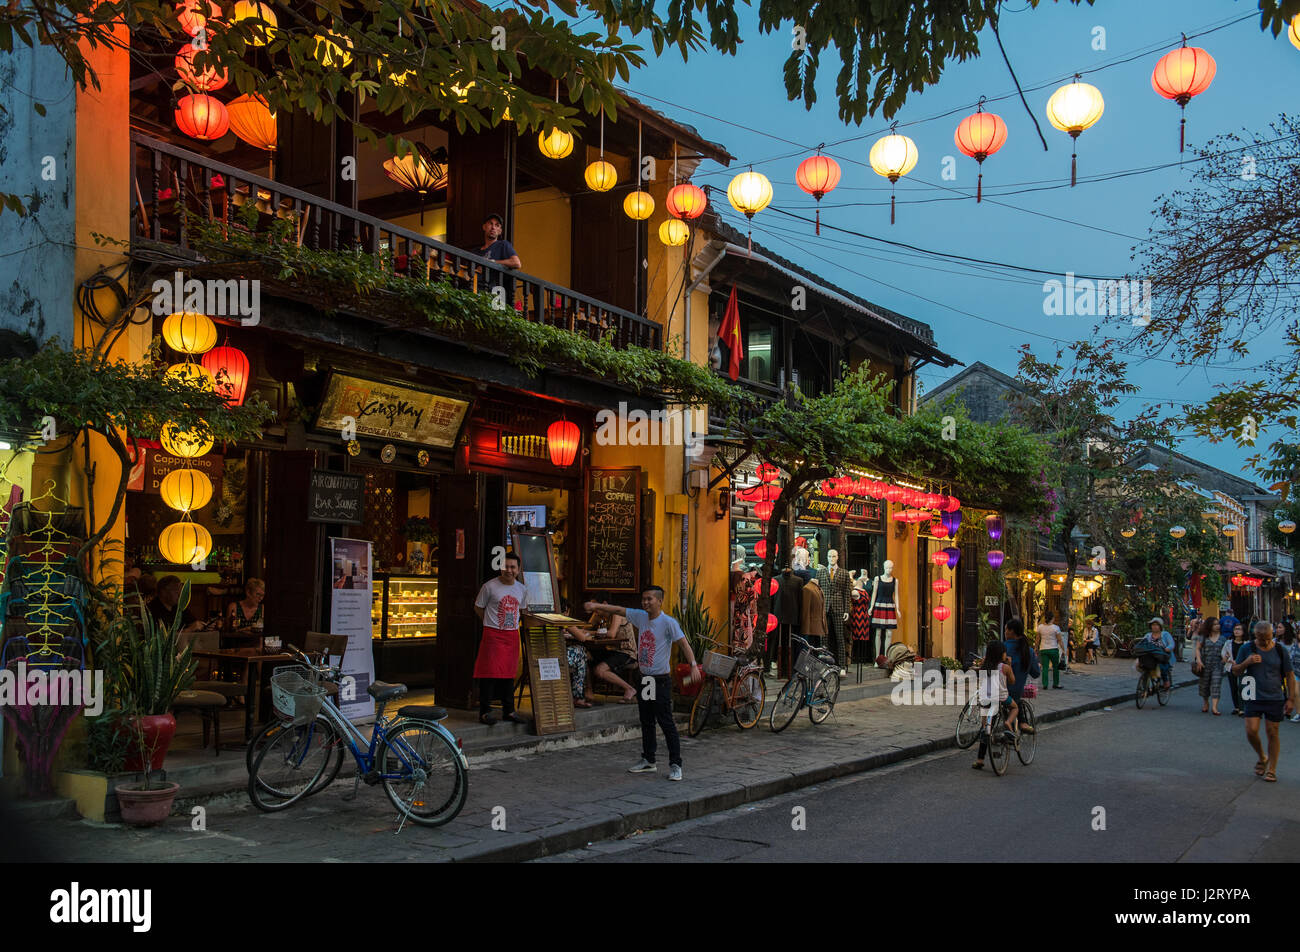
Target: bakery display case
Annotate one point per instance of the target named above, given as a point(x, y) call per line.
point(404, 627)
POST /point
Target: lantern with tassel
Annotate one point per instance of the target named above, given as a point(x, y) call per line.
point(1075, 108)
point(1180, 75)
point(817, 175)
point(893, 156)
point(980, 135)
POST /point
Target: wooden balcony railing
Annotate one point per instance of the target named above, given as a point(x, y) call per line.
point(168, 178)
point(1274, 560)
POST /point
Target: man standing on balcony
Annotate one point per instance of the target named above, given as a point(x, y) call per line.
point(495, 247)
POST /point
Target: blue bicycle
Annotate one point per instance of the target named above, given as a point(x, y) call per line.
point(418, 761)
point(815, 683)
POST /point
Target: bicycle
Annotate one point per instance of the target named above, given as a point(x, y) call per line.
point(970, 726)
point(739, 685)
point(999, 754)
point(1151, 681)
point(815, 683)
point(418, 761)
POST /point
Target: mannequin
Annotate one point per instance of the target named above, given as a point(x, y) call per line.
point(788, 608)
point(799, 562)
point(744, 600)
point(838, 588)
point(738, 559)
point(883, 609)
point(860, 622)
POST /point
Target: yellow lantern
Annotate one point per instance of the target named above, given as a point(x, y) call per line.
point(187, 444)
point(189, 332)
point(186, 489)
point(555, 144)
point(183, 543)
point(1293, 34)
point(639, 205)
point(192, 373)
point(600, 176)
point(893, 156)
point(749, 192)
point(1073, 108)
point(247, 10)
point(333, 49)
point(674, 232)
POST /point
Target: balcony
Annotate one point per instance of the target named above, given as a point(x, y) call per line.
point(169, 178)
point(1272, 560)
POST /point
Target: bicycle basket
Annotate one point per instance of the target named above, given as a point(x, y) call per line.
point(295, 695)
point(810, 666)
point(1148, 662)
point(719, 665)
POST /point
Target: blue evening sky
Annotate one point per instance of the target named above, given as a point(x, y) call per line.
point(986, 314)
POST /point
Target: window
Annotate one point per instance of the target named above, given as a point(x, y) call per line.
point(762, 355)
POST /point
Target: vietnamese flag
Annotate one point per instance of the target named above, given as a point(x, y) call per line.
point(729, 333)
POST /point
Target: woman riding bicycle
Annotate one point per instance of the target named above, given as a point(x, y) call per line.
point(994, 680)
point(1023, 659)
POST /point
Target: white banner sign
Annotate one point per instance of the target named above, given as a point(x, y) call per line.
point(351, 583)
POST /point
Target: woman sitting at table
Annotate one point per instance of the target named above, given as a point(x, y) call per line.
point(247, 612)
point(577, 656)
point(605, 661)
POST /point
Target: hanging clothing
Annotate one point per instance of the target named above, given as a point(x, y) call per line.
point(860, 617)
point(789, 598)
point(884, 614)
point(744, 608)
point(813, 616)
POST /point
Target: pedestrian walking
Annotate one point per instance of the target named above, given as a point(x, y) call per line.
point(1285, 632)
point(1050, 645)
point(498, 606)
point(658, 633)
point(1238, 635)
point(1268, 691)
point(1208, 661)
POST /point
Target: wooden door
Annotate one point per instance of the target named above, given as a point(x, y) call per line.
point(295, 550)
point(462, 569)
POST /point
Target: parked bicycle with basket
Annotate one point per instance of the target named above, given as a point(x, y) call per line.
point(815, 683)
point(732, 683)
point(418, 762)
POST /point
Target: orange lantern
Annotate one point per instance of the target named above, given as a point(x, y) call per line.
point(1180, 75)
point(562, 438)
point(229, 368)
point(186, 489)
point(210, 80)
point(201, 116)
point(686, 201)
point(979, 136)
point(253, 121)
point(1074, 108)
point(194, 15)
point(817, 175)
point(183, 543)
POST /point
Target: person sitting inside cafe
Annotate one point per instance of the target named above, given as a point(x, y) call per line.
point(606, 661)
point(247, 612)
point(163, 605)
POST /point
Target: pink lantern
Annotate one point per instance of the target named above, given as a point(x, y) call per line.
point(996, 557)
point(939, 558)
point(942, 612)
point(941, 585)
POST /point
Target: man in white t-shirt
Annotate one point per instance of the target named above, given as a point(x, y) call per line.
point(498, 605)
point(656, 634)
point(1050, 645)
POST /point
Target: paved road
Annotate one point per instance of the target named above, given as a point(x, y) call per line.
point(1175, 785)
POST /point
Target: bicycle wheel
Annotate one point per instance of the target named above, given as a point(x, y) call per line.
point(824, 693)
point(787, 705)
point(289, 765)
point(749, 700)
point(1162, 692)
point(274, 726)
point(700, 709)
point(423, 773)
point(1141, 697)
point(1028, 742)
point(968, 724)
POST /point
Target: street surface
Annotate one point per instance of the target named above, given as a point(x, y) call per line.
point(1176, 786)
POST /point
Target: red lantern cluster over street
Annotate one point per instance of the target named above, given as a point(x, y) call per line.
point(1245, 581)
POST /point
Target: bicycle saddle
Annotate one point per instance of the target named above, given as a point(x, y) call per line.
point(383, 691)
point(423, 712)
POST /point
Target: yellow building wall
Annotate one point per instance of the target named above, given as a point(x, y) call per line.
point(901, 550)
point(543, 234)
point(435, 223)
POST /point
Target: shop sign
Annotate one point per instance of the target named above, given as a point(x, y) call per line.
point(825, 510)
point(158, 463)
point(391, 412)
point(336, 498)
point(613, 530)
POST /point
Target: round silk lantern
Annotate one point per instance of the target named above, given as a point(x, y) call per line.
point(183, 543)
point(186, 489)
point(953, 554)
point(996, 557)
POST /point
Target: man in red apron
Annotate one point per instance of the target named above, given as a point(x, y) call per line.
point(498, 605)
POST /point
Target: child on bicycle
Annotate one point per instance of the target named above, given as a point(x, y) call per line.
point(994, 678)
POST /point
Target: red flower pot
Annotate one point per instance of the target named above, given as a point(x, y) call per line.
point(158, 731)
point(686, 689)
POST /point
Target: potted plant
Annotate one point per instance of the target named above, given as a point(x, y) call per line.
point(948, 665)
point(702, 632)
point(419, 531)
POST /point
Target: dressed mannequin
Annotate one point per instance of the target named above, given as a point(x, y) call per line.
point(744, 601)
point(838, 587)
point(883, 609)
point(860, 621)
point(812, 619)
point(788, 608)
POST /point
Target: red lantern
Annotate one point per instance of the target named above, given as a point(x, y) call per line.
point(771, 622)
point(1180, 75)
point(772, 586)
point(763, 493)
point(688, 201)
point(760, 548)
point(941, 585)
point(767, 472)
point(952, 505)
point(942, 612)
point(562, 438)
point(938, 531)
point(210, 80)
point(939, 558)
point(817, 175)
point(201, 116)
point(229, 367)
point(763, 510)
point(980, 135)
point(894, 493)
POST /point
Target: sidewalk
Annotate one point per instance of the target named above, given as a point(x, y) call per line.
point(561, 800)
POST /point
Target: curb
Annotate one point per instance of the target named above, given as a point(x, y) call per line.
point(716, 799)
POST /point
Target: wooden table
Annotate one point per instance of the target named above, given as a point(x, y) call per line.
point(253, 665)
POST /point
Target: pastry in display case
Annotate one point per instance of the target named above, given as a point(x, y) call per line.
point(405, 606)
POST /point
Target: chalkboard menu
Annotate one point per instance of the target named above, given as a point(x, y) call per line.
point(613, 530)
point(336, 497)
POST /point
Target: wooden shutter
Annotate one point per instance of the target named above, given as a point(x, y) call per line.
point(605, 259)
point(295, 549)
point(480, 184)
point(460, 510)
